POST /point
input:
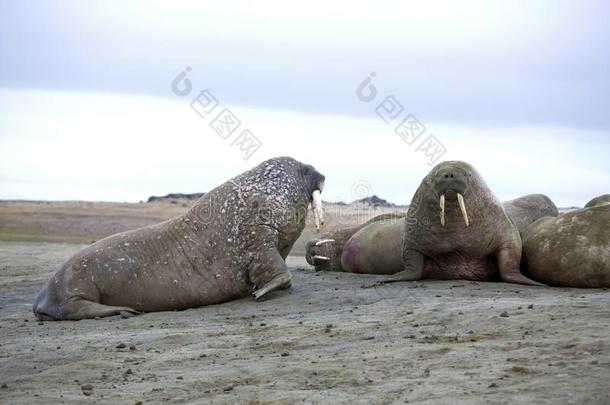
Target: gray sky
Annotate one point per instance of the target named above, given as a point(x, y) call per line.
point(519, 89)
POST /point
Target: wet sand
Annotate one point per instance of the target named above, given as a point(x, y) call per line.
point(326, 340)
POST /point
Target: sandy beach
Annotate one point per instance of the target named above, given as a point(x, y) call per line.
point(326, 340)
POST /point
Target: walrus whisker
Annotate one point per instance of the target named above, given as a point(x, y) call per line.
point(442, 203)
point(321, 258)
point(463, 209)
point(324, 241)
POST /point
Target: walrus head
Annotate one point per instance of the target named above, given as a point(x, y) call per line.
point(450, 181)
point(314, 184)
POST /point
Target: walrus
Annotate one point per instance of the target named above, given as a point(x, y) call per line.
point(374, 247)
point(233, 242)
point(602, 199)
point(571, 250)
point(324, 252)
point(442, 241)
point(527, 209)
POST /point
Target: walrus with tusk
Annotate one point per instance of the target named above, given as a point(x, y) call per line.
point(374, 247)
point(232, 243)
point(325, 251)
point(457, 229)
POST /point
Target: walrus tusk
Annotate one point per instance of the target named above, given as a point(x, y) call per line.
point(323, 241)
point(463, 208)
point(321, 258)
point(442, 203)
point(318, 213)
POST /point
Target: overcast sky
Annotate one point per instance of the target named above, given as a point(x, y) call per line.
point(87, 111)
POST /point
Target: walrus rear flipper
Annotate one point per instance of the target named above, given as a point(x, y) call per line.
point(77, 308)
point(279, 282)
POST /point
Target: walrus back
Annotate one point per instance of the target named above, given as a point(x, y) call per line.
point(572, 250)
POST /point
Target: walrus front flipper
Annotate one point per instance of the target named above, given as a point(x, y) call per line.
point(280, 282)
point(269, 273)
point(79, 308)
point(508, 266)
point(413, 262)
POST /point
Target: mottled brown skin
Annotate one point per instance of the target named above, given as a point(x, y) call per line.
point(376, 248)
point(571, 250)
point(334, 249)
point(233, 241)
point(527, 209)
point(602, 199)
point(488, 250)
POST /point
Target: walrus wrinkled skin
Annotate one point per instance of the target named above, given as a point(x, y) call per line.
point(572, 250)
point(527, 209)
point(457, 229)
point(376, 248)
point(602, 199)
point(233, 241)
point(324, 253)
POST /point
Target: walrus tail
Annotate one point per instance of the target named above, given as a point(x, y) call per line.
point(46, 308)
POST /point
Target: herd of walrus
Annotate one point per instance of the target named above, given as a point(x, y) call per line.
point(235, 240)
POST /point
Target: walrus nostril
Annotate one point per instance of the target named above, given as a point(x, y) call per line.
point(450, 175)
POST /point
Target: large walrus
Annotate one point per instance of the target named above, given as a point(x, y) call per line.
point(572, 250)
point(375, 246)
point(232, 242)
point(457, 229)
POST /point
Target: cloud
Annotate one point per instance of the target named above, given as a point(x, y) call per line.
point(94, 146)
point(475, 62)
